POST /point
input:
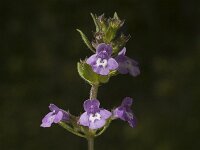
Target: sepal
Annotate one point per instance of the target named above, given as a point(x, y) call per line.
point(106, 28)
point(120, 42)
point(114, 24)
point(94, 17)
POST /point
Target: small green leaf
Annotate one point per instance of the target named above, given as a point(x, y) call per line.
point(95, 22)
point(86, 41)
point(103, 79)
point(86, 72)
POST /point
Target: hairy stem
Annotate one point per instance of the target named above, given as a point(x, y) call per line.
point(91, 143)
point(94, 91)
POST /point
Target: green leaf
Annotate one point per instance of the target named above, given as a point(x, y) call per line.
point(103, 79)
point(86, 41)
point(95, 22)
point(86, 72)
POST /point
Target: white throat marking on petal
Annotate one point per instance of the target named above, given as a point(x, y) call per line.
point(94, 117)
point(102, 62)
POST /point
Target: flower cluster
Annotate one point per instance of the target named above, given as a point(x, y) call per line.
point(94, 117)
point(102, 61)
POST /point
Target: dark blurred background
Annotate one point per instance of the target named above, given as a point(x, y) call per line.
point(39, 49)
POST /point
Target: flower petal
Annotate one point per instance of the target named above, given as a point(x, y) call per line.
point(122, 68)
point(66, 116)
point(97, 124)
point(134, 70)
point(119, 113)
point(107, 49)
point(122, 52)
point(48, 120)
point(91, 106)
point(127, 101)
point(58, 117)
point(53, 107)
point(132, 122)
point(92, 59)
point(96, 69)
point(105, 114)
point(104, 71)
point(84, 119)
point(112, 64)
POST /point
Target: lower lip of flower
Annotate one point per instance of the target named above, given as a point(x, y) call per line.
point(51, 119)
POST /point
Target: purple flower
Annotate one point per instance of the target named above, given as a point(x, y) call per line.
point(124, 112)
point(94, 117)
point(102, 62)
point(56, 115)
point(126, 64)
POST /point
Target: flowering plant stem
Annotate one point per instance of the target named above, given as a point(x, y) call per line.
point(91, 143)
point(93, 95)
point(94, 91)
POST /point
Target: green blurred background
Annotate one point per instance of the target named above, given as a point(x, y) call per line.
point(39, 49)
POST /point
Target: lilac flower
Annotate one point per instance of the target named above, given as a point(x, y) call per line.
point(126, 64)
point(102, 62)
point(124, 112)
point(94, 117)
point(55, 116)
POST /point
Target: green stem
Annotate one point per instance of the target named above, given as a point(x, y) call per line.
point(91, 143)
point(65, 126)
point(94, 91)
point(102, 131)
